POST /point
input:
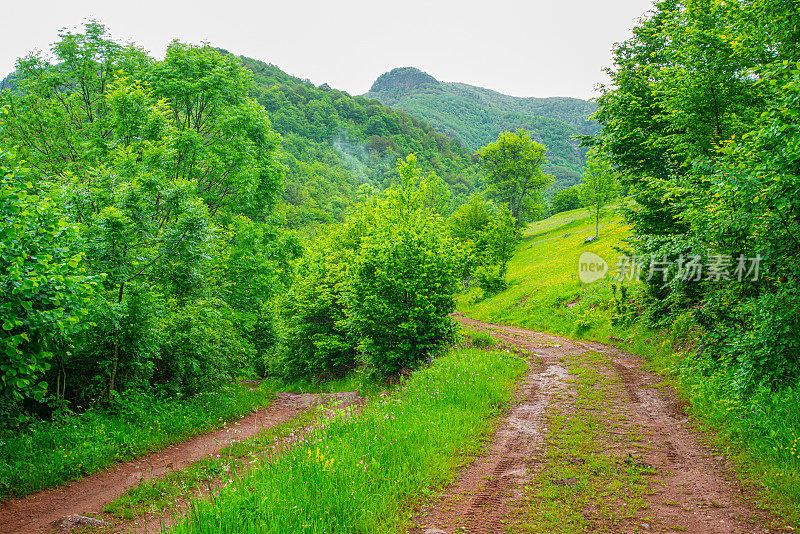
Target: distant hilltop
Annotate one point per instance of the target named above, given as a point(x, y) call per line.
point(476, 116)
point(401, 79)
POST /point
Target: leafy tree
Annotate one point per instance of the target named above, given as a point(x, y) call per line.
point(378, 287)
point(600, 187)
point(45, 291)
point(404, 280)
point(487, 232)
point(223, 141)
point(512, 166)
point(701, 122)
point(167, 168)
point(318, 338)
point(565, 200)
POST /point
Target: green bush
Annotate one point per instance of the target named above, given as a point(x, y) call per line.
point(402, 294)
point(201, 347)
point(318, 341)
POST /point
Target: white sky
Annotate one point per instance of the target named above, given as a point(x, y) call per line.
point(522, 48)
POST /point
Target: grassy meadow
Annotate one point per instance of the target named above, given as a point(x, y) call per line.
point(544, 291)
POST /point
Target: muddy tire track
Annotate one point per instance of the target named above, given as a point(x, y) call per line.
point(88, 496)
point(484, 494)
point(694, 489)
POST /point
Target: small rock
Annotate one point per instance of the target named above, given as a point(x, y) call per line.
point(645, 526)
point(74, 521)
point(435, 531)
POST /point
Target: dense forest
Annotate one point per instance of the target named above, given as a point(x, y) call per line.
point(148, 207)
point(476, 116)
point(333, 144)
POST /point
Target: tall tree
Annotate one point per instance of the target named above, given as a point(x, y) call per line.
point(158, 163)
point(512, 166)
point(599, 188)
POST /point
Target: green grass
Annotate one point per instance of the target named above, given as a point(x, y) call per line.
point(51, 453)
point(476, 338)
point(544, 291)
point(156, 494)
point(364, 474)
point(585, 486)
point(762, 433)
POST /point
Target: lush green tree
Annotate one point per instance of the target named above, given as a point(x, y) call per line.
point(318, 339)
point(170, 171)
point(404, 279)
point(44, 289)
point(487, 232)
point(376, 289)
point(512, 166)
point(701, 121)
point(223, 141)
point(565, 200)
point(600, 186)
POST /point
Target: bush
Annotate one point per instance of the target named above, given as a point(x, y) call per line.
point(201, 347)
point(490, 281)
point(318, 339)
point(402, 294)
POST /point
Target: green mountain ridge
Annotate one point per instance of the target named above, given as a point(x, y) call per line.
point(476, 116)
point(335, 143)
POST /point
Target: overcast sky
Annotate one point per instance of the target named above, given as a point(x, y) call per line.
point(522, 48)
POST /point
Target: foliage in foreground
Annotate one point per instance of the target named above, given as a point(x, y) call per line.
point(51, 453)
point(702, 119)
point(360, 474)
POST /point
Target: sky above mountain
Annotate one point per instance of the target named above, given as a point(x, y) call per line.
point(522, 48)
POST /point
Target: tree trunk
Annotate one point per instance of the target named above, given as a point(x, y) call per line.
point(114, 366)
point(597, 223)
point(116, 349)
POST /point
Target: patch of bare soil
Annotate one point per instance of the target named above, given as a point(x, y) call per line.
point(40, 511)
point(694, 488)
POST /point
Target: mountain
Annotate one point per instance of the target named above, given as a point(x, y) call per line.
point(333, 143)
point(476, 116)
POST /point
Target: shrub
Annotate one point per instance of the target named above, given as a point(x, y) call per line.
point(201, 347)
point(318, 339)
point(402, 294)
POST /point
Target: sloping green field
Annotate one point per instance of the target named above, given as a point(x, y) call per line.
point(544, 290)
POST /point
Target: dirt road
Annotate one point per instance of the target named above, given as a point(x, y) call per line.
point(675, 483)
point(37, 512)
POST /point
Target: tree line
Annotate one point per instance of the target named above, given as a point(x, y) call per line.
point(143, 247)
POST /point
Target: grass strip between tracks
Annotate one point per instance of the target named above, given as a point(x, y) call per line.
point(365, 474)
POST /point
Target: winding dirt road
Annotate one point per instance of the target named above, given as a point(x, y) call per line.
point(37, 512)
point(691, 489)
